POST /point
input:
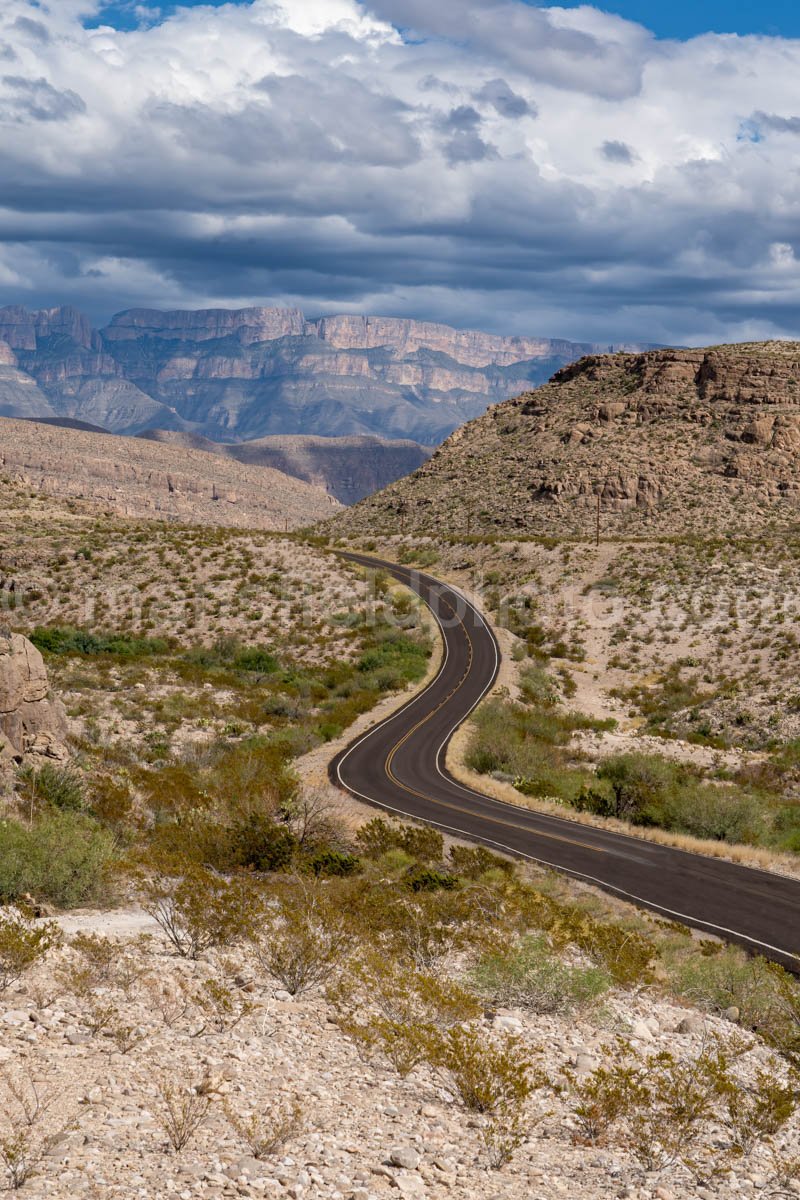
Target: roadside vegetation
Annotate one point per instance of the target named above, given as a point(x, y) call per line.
point(415, 946)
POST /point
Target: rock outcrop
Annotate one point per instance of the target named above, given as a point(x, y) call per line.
point(666, 442)
point(236, 375)
point(135, 478)
point(31, 721)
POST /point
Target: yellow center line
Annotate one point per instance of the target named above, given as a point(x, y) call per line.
point(388, 765)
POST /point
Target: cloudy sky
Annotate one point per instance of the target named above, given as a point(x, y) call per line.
point(562, 171)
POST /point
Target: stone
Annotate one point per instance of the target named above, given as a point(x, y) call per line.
point(27, 713)
point(642, 1031)
point(732, 1013)
point(691, 1024)
point(405, 1156)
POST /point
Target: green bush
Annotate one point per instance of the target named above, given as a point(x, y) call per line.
point(529, 975)
point(426, 879)
point(470, 862)
point(332, 863)
point(60, 787)
point(64, 857)
point(259, 843)
point(647, 790)
point(66, 639)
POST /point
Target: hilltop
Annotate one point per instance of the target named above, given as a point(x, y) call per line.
point(672, 442)
point(134, 478)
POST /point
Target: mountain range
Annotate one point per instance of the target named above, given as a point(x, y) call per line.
point(237, 375)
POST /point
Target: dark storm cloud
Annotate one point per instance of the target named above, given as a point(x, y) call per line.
point(37, 100)
point(308, 152)
point(618, 152)
point(505, 100)
point(463, 143)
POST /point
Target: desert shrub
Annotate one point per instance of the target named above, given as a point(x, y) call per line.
point(60, 787)
point(333, 862)
point(23, 942)
point(727, 980)
point(647, 790)
point(181, 1112)
point(315, 821)
point(421, 843)
point(419, 928)
point(386, 1006)
point(304, 940)
point(66, 639)
point(528, 975)
point(529, 746)
point(392, 658)
point(424, 844)
point(218, 1007)
point(257, 659)
point(267, 1130)
point(198, 909)
point(626, 954)
point(259, 843)
point(663, 1108)
point(486, 1076)
point(426, 879)
point(470, 862)
point(721, 814)
point(64, 857)
point(755, 1109)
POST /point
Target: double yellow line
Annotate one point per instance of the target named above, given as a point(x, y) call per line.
point(388, 765)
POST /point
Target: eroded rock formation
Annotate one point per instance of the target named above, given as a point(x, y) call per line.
point(669, 441)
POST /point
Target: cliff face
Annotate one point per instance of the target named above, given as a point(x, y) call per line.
point(703, 441)
point(235, 375)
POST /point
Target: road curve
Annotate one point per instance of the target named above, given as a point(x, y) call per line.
point(399, 766)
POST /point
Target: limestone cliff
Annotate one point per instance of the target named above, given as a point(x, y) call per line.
point(237, 375)
point(347, 468)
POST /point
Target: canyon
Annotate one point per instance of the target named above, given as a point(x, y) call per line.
point(232, 375)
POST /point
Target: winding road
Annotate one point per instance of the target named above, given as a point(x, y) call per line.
point(399, 765)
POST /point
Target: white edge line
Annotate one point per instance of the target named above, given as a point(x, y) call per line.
point(603, 884)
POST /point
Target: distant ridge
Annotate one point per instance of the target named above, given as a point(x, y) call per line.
point(348, 468)
point(235, 375)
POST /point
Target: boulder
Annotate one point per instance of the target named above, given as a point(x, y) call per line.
point(30, 720)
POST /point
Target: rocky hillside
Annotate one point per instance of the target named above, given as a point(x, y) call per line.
point(233, 375)
point(135, 478)
point(669, 441)
point(348, 468)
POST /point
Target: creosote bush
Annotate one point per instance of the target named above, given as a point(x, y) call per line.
point(526, 974)
point(664, 1107)
point(198, 909)
point(23, 942)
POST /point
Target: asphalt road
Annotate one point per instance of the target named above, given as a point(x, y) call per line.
point(399, 766)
